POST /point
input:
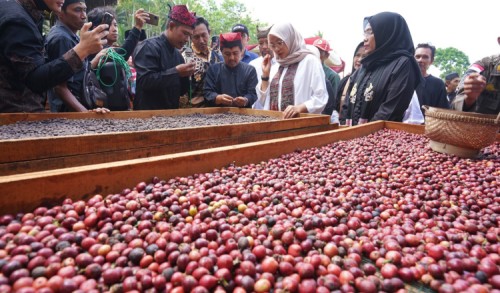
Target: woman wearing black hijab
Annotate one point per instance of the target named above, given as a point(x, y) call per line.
point(359, 52)
point(384, 85)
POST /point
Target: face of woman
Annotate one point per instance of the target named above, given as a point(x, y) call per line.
point(113, 32)
point(369, 40)
point(278, 46)
point(357, 58)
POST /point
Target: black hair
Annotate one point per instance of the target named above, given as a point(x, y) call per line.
point(110, 9)
point(95, 15)
point(428, 46)
point(201, 20)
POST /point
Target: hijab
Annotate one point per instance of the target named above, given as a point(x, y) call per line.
point(360, 45)
point(293, 40)
point(392, 40)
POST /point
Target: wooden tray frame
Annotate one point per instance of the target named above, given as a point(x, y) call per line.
point(24, 192)
point(41, 154)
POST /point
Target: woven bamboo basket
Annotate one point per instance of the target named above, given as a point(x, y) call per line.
point(460, 133)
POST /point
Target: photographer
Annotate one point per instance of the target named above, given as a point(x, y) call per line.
point(24, 73)
point(96, 16)
point(67, 96)
point(162, 75)
point(111, 69)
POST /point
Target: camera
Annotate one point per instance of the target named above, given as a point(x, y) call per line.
point(107, 19)
point(153, 19)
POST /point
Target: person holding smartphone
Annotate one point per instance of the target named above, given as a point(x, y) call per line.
point(112, 76)
point(67, 96)
point(24, 73)
point(162, 74)
point(97, 15)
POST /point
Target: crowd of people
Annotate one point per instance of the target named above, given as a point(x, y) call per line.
point(180, 68)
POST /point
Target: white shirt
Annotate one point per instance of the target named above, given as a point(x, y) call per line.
point(257, 63)
point(309, 87)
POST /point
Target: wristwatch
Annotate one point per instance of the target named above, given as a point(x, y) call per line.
point(265, 78)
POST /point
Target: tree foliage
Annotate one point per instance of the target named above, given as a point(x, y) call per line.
point(221, 17)
point(451, 60)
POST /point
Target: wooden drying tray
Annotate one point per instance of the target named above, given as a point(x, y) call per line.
point(47, 153)
point(25, 192)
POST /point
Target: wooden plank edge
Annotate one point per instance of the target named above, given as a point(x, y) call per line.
point(411, 128)
point(38, 148)
point(24, 192)
point(8, 118)
point(59, 162)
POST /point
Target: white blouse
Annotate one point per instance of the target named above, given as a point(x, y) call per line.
point(309, 86)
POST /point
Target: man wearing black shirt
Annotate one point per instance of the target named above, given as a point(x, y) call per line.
point(432, 91)
point(232, 82)
point(61, 38)
point(162, 74)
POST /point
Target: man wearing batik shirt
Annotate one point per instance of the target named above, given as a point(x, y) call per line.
point(162, 74)
point(231, 83)
point(479, 89)
point(203, 56)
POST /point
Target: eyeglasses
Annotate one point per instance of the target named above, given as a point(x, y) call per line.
point(278, 44)
point(368, 33)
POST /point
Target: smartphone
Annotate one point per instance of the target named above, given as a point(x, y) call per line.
point(215, 43)
point(107, 19)
point(188, 54)
point(153, 19)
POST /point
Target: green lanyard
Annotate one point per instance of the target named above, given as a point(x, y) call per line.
point(118, 60)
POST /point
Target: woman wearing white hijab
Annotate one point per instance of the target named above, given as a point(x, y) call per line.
point(299, 85)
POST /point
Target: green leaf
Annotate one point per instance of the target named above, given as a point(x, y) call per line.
point(450, 60)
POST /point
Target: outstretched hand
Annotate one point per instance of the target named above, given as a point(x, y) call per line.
point(140, 18)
